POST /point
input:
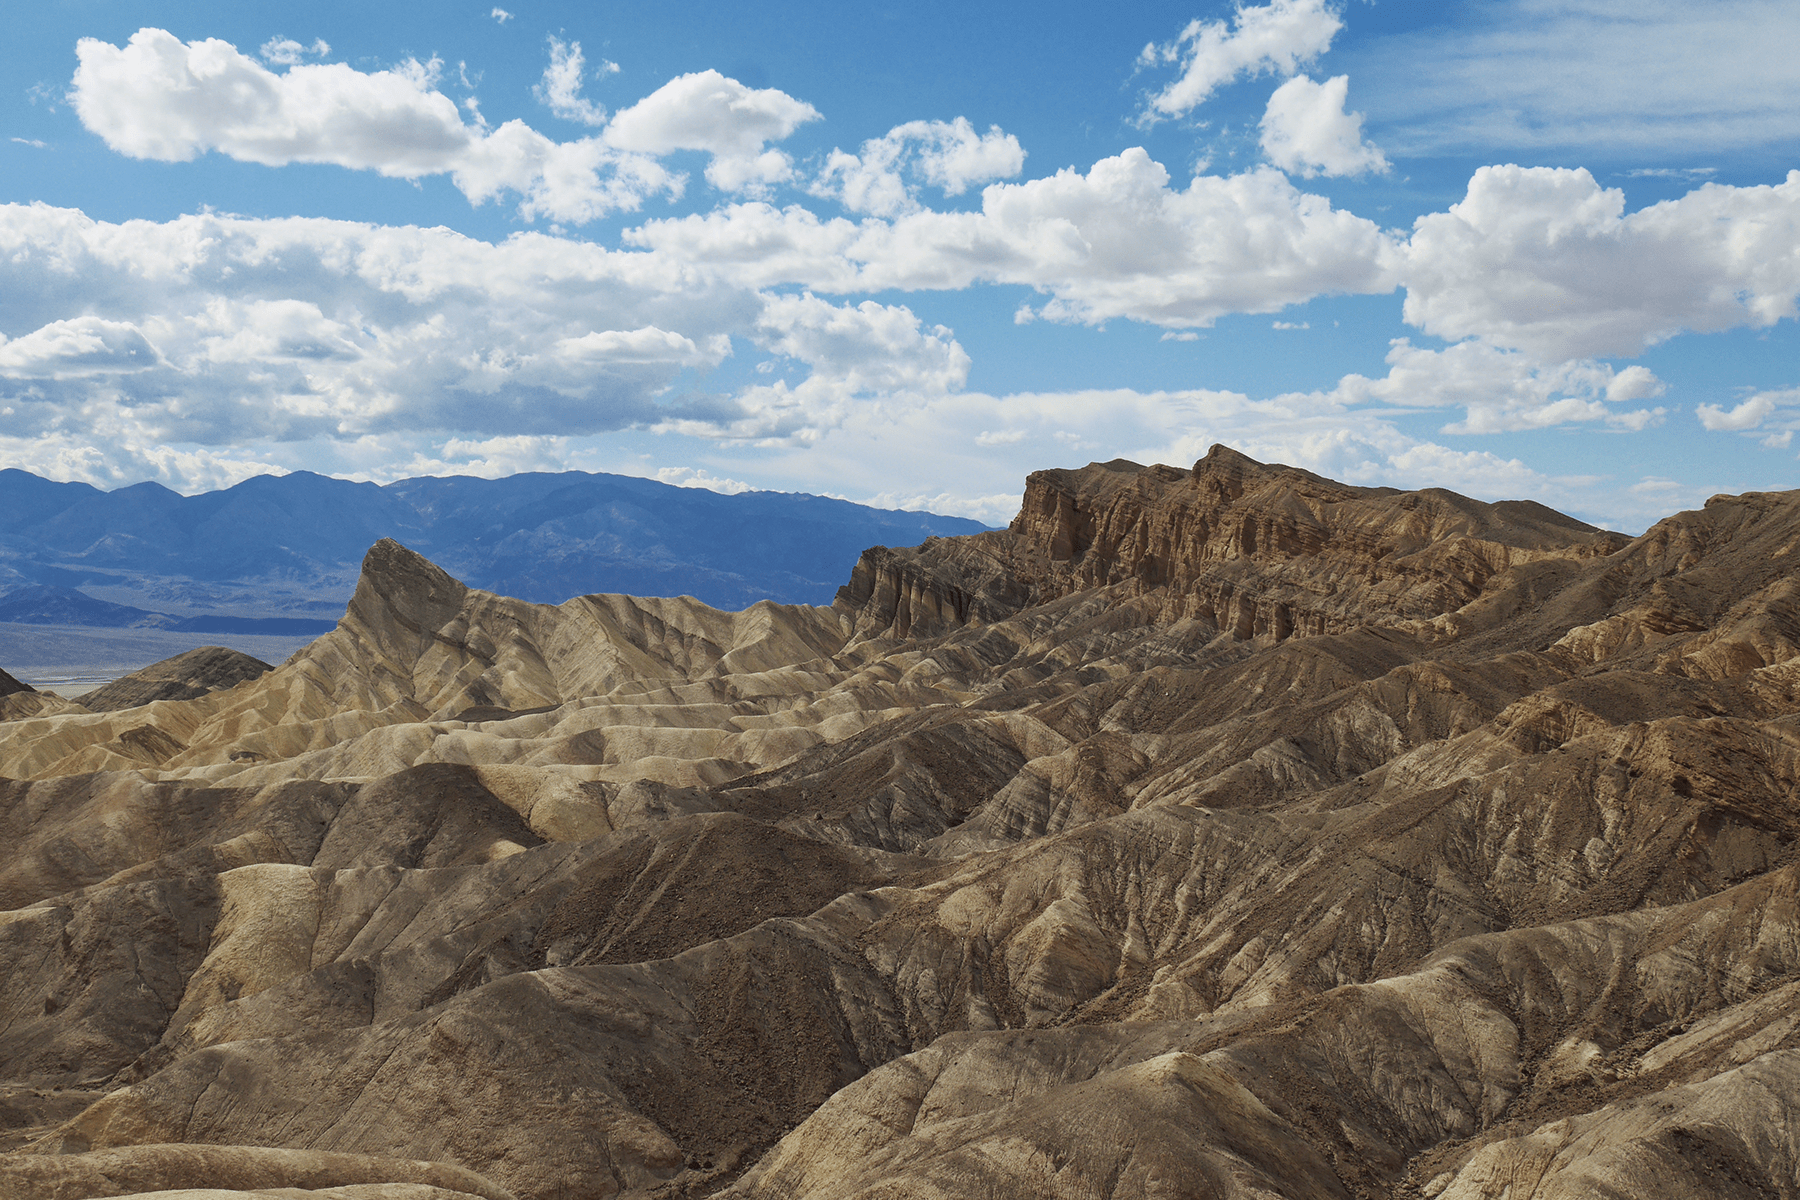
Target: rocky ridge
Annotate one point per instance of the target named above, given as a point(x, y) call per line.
point(186, 676)
point(1222, 832)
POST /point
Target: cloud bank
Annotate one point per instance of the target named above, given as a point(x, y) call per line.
point(160, 98)
point(1115, 241)
point(1545, 260)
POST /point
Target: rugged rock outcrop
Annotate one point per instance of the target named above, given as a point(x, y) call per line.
point(183, 677)
point(1224, 832)
point(1251, 549)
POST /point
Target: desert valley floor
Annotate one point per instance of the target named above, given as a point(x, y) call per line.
point(1214, 832)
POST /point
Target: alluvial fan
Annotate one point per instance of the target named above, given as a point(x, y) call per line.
point(1224, 832)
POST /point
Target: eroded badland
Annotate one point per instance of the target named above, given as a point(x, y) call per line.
point(1225, 832)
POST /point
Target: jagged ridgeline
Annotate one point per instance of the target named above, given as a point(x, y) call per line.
point(1224, 832)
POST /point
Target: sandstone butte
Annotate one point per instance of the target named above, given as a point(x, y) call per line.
point(1224, 832)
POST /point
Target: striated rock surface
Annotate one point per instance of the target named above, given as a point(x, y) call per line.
point(184, 677)
point(1251, 549)
point(1226, 832)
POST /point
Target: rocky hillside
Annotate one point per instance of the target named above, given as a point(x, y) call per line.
point(183, 677)
point(1224, 832)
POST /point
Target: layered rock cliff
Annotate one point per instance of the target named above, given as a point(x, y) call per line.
point(1252, 549)
point(1213, 832)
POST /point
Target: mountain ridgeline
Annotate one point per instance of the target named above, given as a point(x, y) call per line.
point(1223, 832)
point(541, 537)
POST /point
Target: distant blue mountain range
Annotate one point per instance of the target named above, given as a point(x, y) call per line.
point(49, 604)
point(541, 537)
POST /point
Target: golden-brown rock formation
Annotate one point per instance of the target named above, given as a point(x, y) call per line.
point(1225, 832)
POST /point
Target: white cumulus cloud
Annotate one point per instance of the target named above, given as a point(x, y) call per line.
point(731, 122)
point(1306, 131)
point(1114, 242)
point(699, 477)
point(216, 332)
point(560, 88)
point(1280, 36)
point(1748, 415)
point(950, 155)
point(646, 345)
point(857, 355)
point(867, 347)
point(78, 348)
point(1545, 260)
point(160, 98)
point(220, 330)
point(1501, 391)
point(207, 334)
point(488, 458)
point(969, 452)
point(285, 52)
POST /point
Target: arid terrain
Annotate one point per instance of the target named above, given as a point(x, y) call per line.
point(1216, 832)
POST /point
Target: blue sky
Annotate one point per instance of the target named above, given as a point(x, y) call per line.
point(907, 254)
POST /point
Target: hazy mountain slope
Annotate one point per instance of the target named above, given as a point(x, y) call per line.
point(48, 604)
point(1223, 832)
point(537, 536)
point(548, 537)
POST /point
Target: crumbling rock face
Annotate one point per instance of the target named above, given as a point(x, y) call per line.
point(1222, 832)
point(1253, 550)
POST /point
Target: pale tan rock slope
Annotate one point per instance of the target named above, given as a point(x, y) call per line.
point(1227, 832)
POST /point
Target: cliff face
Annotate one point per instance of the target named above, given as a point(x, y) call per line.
point(1225, 832)
point(1252, 549)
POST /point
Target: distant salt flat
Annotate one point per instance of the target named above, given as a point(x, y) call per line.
point(70, 686)
point(71, 660)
